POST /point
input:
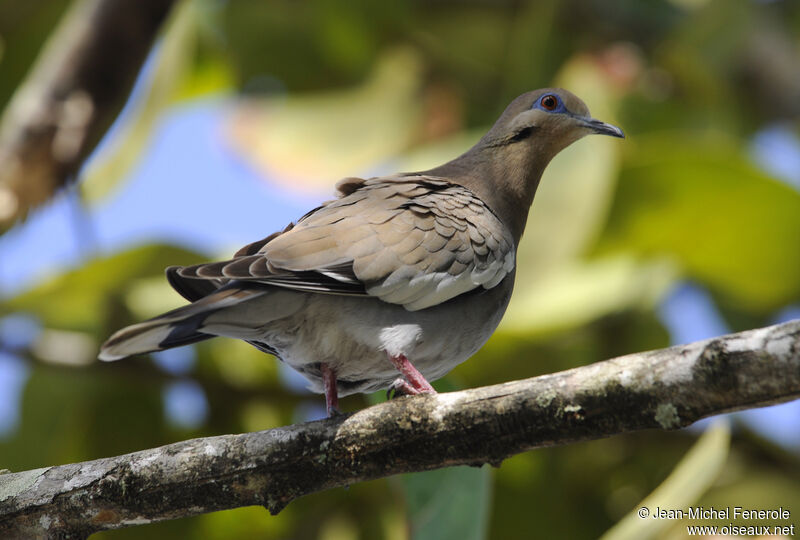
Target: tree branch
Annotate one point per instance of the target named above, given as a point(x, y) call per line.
point(664, 389)
point(77, 88)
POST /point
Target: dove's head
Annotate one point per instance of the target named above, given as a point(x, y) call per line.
point(505, 166)
point(549, 119)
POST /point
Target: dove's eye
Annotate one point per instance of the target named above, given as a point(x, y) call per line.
point(549, 102)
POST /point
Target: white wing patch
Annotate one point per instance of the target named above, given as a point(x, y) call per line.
point(427, 290)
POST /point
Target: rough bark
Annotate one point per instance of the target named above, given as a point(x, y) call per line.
point(664, 389)
point(72, 95)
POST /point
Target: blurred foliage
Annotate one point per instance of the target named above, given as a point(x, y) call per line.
point(87, 298)
point(705, 190)
point(318, 89)
point(696, 472)
point(347, 128)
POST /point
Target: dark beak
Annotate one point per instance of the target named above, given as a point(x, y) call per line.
point(602, 128)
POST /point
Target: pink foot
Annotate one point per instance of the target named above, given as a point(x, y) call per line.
point(414, 382)
point(331, 393)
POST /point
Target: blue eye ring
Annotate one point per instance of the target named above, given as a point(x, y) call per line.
point(550, 103)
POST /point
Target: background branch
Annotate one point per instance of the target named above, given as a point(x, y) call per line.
point(72, 95)
point(666, 389)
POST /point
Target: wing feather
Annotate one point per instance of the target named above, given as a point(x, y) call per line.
point(411, 240)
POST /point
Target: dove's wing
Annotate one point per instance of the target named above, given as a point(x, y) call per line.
point(412, 240)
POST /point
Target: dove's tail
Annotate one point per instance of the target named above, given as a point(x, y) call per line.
point(175, 328)
point(151, 336)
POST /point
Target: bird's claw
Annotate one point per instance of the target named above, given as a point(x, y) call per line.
point(401, 387)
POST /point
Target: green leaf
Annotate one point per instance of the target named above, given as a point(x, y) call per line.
point(725, 223)
point(692, 477)
point(450, 503)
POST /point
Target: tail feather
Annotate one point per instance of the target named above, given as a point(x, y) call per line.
point(175, 328)
point(150, 336)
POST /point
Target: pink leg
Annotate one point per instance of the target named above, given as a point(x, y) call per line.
point(329, 385)
point(417, 384)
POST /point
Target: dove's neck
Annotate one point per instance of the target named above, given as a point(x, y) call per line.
point(504, 176)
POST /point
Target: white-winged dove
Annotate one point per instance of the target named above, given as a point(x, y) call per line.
point(393, 283)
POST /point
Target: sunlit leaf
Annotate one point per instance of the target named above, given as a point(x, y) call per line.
point(726, 223)
point(311, 141)
point(579, 292)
